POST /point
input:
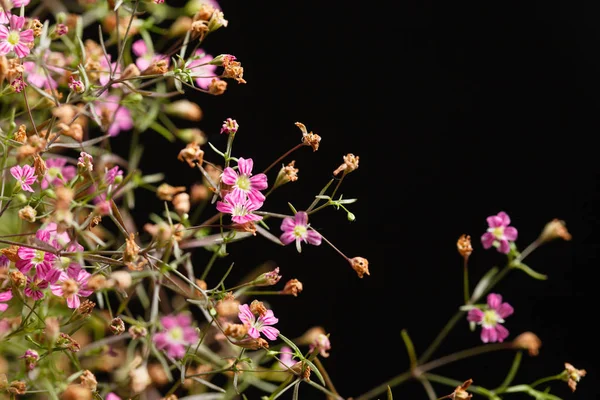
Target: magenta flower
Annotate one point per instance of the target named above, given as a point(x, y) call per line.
point(10, 4)
point(177, 333)
point(239, 207)
point(4, 261)
point(25, 175)
point(499, 233)
point(42, 261)
point(261, 325)
point(244, 183)
point(15, 38)
point(37, 77)
point(31, 358)
point(112, 396)
point(229, 127)
point(85, 161)
point(491, 318)
point(5, 297)
point(201, 70)
point(35, 286)
point(145, 57)
point(112, 174)
point(286, 357)
point(119, 117)
point(58, 172)
point(322, 344)
point(72, 285)
point(297, 229)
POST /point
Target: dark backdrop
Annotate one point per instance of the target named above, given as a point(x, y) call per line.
point(457, 110)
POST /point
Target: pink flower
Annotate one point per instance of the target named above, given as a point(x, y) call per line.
point(112, 174)
point(72, 284)
point(14, 38)
point(4, 297)
point(31, 358)
point(119, 117)
point(322, 344)
point(103, 205)
point(177, 333)
point(261, 325)
point(239, 207)
point(244, 183)
point(145, 57)
point(76, 85)
point(42, 261)
point(491, 318)
point(37, 77)
point(34, 287)
point(25, 175)
point(4, 261)
point(286, 357)
point(297, 229)
point(58, 172)
point(499, 233)
point(58, 240)
point(229, 127)
point(85, 161)
point(10, 4)
point(201, 70)
point(112, 396)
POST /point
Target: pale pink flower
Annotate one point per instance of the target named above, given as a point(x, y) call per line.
point(491, 318)
point(262, 324)
point(176, 335)
point(10, 4)
point(499, 233)
point(229, 127)
point(201, 70)
point(58, 172)
point(145, 57)
point(4, 298)
point(15, 38)
point(103, 205)
point(244, 183)
point(286, 357)
point(120, 117)
point(322, 344)
point(112, 396)
point(34, 287)
point(25, 175)
point(37, 77)
point(112, 174)
point(297, 229)
point(85, 161)
point(75, 281)
point(239, 207)
point(31, 358)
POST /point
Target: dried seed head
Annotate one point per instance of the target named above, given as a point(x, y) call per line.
point(17, 278)
point(258, 308)
point(293, 287)
point(132, 249)
point(555, 229)
point(27, 213)
point(192, 154)
point(464, 246)
point(217, 86)
point(130, 71)
point(11, 252)
point(158, 67)
point(88, 380)
point(228, 308)
point(360, 265)
point(166, 192)
point(21, 134)
point(350, 164)
point(120, 279)
point(233, 69)
point(86, 307)
point(528, 341)
point(117, 326)
point(237, 331)
point(253, 344)
point(309, 139)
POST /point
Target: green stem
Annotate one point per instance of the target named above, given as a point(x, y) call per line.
point(454, 383)
point(558, 377)
point(287, 153)
point(410, 348)
point(511, 373)
point(441, 336)
point(210, 264)
point(459, 355)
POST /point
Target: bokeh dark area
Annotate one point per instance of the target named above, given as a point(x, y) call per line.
point(457, 111)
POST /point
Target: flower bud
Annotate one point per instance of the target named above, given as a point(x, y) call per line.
point(351, 217)
point(528, 341)
point(88, 380)
point(464, 246)
point(360, 265)
point(30, 357)
point(184, 109)
point(553, 230)
point(293, 287)
point(268, 278)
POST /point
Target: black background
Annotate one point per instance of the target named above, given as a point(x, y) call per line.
point(457, 110)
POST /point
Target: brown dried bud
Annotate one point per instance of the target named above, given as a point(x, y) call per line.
point(192, 154)
point(117, 326)
point(528, 341)
point(181, 203)
point(96, 282)
point(360, 265)
point(217, 86)
point(158, 67)
point(253, 344)
point(258, 308)
point(248, 226)
point(21, 134)
point(233, 69)
point(11, 252)
point(309, 139)
point(137, 332)
point(120, 279)
point(350, 164)
point(67, 342)
point(184, 109)
point(76, 392)
point(293, 287)
point(460, 393)
point(17, 278)
point(86, 307)
point(228, 308)
point(199, 28)
point(553, 230)
point(36, 25)
point(88, 380)
point(17, 387)
point(166, 192)
point(204, 13)
point(573, 376)
point(130, 71)
point(237, 331)
point(27, 213)
point(132, 249)
point(157, 374)
point(198, 193)
point(464, 245)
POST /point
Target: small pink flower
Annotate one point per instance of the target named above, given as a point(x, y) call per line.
point(297, 229)
point(76, 85)
point(4, 297)
point(322, 344)
point(176, 335)
point(145, 57)
point(499, 233)
point(112, 174)
point(112, 396)
point(72, 285)
point(61, 29)
point(201, 70)
point(42, 261)
point(239, 207)
point(10, 4)
point(286, 357)
point(37, 77)
point(34, 287)
point(31, 358)
point(230, 127)
point(58, 172)
point(491, 318)
point(25, 175)
point(119, 116)
point(261, 325)
point(85, 161)
point(15, 38)
point(244, 183)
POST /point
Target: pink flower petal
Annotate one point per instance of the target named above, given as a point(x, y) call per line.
point(245, 315)
point(245, 166)
point(494, 221)
point(287, 238)
point(259, 181)
point(501, 332)
point(510, 233)
point(301, 218)
point(270, 332)
point(268, 318)
point(288, 224)
point(168, 322)
point(505, 310)
point(488, 335)
point(6, 296)
point(229, 176)
point(504, 247)
point(475, 315)
point(494, 300)
point(253, 332)
point(313, 237)
point(504, 218)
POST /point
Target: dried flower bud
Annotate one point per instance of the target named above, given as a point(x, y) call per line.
point(528, 341)
point(199, 29)
point(17, 387)
point(88, 380)
point(181, 203)
point(553, 230)
point(360, 265)
point(132, 249)
point(237, 331)
point(96, 282)
point(117, 326)
point(309, 139)
point(322, 344)
point(293, 287)
point(464, 246)
point(120, 279)
point(11, 252)
point(199, 192)
point(228, 308)
point(286, 174)
point(76, 392)
point(67, 342)
point(27, 213)
point(258, 308)
point(268, 278)
point(217, 86)
point(253, 344)
point(21, 134)
point(233, 69)
point(86, 307)
point(301, 369)
point(573, 376)
point(130, 71)
point(137, 332)
point(166, 192)
point(460, 393)
point(205, 12)
point(350, 164)
point(157, 374)
point(184, 109)
point(192, 154)
point(17, 278)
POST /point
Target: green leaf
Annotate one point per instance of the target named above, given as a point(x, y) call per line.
point(268, 235)
point(163, 131)
point(389, 393)
point(315, 370)
point(483, 284)
point(216, 150)
point(291, 344)
point(531, 272)
point(292, 208)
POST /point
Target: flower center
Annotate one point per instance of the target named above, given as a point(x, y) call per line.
point(13, 38)
point(239, 210)
point(53, 173)
point(39, 257)
point(176, 333)
point(491, 318)
point(498, 232)
point(69, 287)
point(243, 182)
point(300, 231)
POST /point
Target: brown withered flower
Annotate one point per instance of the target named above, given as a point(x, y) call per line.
point(573, 376)
point(258, 308)
point(217, 86)
point(309, 139)
point(464, 245)
point(460, 393)
point(166, 192)
point(350, 164)
point(192, 154)
point(555, 229)
point(293, 287)
point(528, 341)
point(360, 265)
point(237, 331)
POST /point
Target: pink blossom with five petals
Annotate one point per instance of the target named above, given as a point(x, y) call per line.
point(499, 233)
point(491, 318)
point(72, 285)
point(25, 175)
point(177, 334)
point(5, 297)
point(58, 172)
point(14, 38)
point(259, 325)
point(297, 229)
point(239, 207)
point(244, 182)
